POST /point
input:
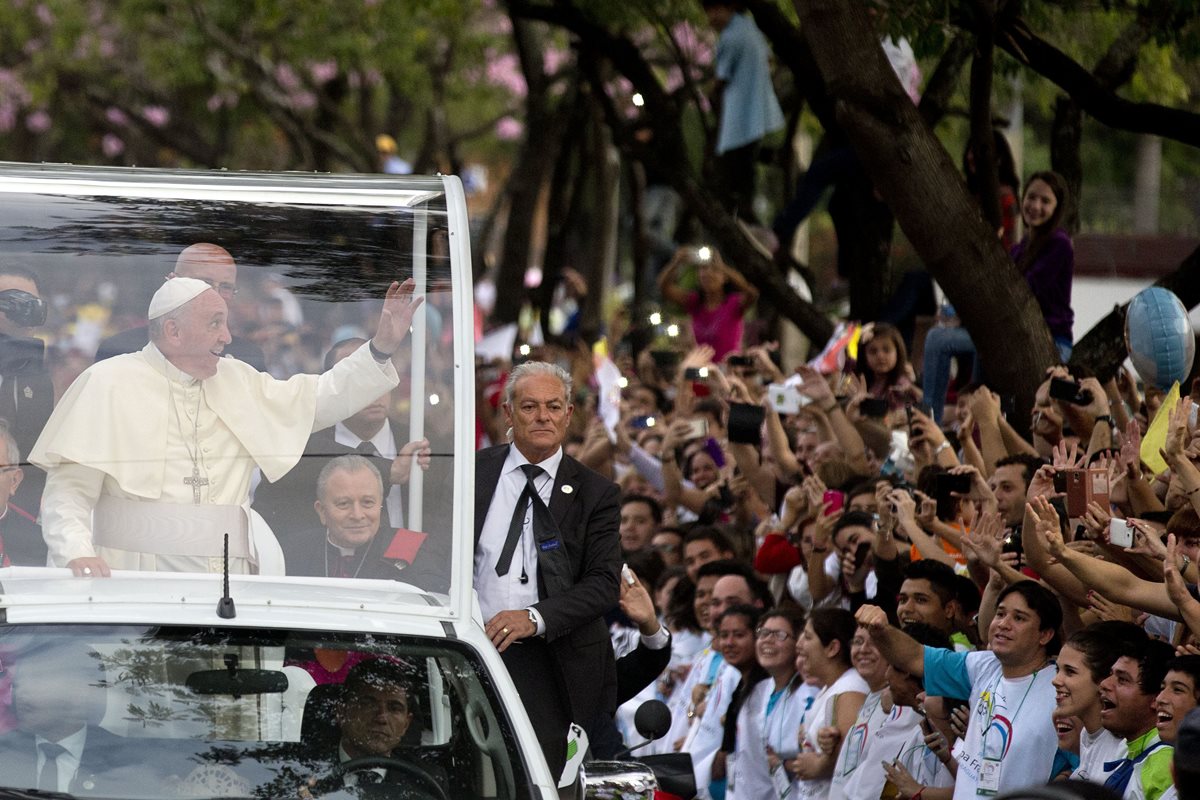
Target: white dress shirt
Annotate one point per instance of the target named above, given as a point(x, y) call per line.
point(506, 592)
point(385, 445)
point(68, 760)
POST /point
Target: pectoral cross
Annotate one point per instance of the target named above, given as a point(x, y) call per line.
point(196, 481)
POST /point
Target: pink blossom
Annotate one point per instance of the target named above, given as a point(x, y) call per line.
point(696, 48)
point(111, 145)
point(116, 116)
point(509, 129)
point(372, 77)
point(286, 77)
point(8, 117)
point(302, 100)
point(674, 79)
point(323, 71)
point(156, 115)
point(554, 59)
point(38, 121)
point(215, 102)
point(505, 72)
point(42, 11)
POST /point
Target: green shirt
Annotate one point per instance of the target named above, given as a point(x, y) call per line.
point(1151, 778)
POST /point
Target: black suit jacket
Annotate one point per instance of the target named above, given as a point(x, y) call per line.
point(26, 400)
point(23, 542)
point(133, 339)
point(109, 764)
point(577, 580)
point(306, 555)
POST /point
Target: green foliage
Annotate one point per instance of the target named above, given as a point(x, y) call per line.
point(247, 83)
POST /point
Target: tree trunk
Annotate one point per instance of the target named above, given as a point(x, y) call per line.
point(983, 145)
point(919, 181)
point(1066, 133)
point(1147, 184)
point(541, 142)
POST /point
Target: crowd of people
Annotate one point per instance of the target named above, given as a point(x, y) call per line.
point(875, 591)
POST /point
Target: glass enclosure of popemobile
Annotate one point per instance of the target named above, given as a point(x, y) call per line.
point(337, 476)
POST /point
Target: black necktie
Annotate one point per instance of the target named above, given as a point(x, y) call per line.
point(517, 526)
point(367, 449)
point(48, 779)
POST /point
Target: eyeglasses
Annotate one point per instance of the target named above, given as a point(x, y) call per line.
point(222, 288)
point(772, 635)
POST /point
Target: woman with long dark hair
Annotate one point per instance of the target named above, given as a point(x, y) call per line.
point(1045, 258)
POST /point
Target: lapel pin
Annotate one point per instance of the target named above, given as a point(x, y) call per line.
point(28, 393)
point(566, 489)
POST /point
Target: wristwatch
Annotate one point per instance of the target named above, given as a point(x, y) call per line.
point(1106, 418)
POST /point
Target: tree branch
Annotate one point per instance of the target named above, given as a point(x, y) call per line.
point(1090, 93)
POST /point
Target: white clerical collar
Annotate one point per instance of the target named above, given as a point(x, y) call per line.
point(172, 372)
point(384, 442)
point(516, 459)
point(345, 551)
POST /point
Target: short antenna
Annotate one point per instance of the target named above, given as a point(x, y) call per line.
point(225, 607)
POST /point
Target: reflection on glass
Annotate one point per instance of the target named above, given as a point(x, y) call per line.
point(301, 287)
point(179, 712)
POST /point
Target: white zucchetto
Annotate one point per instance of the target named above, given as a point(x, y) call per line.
point(173, 294)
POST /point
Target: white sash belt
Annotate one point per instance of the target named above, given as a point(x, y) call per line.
point(170, 529)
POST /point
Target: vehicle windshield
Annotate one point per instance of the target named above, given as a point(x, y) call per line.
point(185, 712)
point(150, 463)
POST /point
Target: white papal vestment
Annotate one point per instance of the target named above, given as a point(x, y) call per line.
point(131, 428)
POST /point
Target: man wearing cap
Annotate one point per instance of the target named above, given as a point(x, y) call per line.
point(149, 455)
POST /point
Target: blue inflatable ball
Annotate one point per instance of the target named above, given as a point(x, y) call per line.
point(1159, 337)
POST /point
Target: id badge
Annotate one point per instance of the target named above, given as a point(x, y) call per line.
point(989, 778)
point(779, 779)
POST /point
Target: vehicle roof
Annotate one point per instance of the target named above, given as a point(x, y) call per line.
point(72, 179)
point(35, 595)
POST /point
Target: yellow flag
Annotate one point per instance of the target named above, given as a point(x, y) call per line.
point(1156, 435)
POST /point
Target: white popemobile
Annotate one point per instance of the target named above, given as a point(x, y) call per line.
point(210, 685)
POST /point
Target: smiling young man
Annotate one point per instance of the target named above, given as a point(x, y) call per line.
point(1010, 740)
point(1128, 700)
point(1180, 694)
point(928, 595)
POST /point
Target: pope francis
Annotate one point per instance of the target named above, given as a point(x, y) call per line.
point(149, 455)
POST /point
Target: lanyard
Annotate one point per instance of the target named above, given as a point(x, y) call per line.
point(992, 707)
point(778, 702)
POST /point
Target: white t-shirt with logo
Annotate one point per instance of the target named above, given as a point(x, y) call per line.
point(821, 715)
point(1010, 720)
point(877, 735)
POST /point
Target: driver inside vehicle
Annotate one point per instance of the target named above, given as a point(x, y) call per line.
point(373, 715)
